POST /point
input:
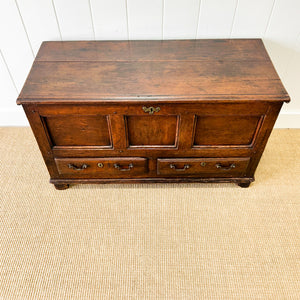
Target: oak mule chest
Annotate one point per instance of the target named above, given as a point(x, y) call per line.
point(152, 111)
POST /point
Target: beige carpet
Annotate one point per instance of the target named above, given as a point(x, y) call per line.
point(156, 241)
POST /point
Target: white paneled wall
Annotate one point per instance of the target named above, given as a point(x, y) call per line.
point(75, 19)
point(7, 86)
point(180, 19)
point(14, 42)
point(216, 18)
point(39, 21)
point(145, 19)
point(24, 24)
point(251, 18)
point(110, 19)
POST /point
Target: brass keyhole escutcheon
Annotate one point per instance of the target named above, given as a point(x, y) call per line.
point(151, 110)
point(100, 165)
point(203, 164)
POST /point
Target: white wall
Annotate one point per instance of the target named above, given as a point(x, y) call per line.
point(24, 24)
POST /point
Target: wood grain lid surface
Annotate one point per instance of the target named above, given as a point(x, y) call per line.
point(177, 70)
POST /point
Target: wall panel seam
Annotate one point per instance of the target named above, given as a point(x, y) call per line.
point(233, 19)
point(27, 36)
point(9, 73)
point(163, 20)
point(269, 19)
point(198, 18)
point(92, 19)
point(58, 26)
point(127, 22)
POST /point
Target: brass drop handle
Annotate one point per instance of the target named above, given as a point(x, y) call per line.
point(219, 166)
point(185, 167)
point(117, 166)
point(151, 110)
point(74, 167)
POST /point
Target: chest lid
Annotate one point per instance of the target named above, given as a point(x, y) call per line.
point(177, 70)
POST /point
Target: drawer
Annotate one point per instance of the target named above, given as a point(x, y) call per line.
point(103, 167)
point(203, 167)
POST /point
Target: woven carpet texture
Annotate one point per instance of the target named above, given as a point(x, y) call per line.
point(149, 241)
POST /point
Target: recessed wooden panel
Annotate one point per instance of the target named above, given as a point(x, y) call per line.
point(225, 130)
point(152, 130)
point(73, 130)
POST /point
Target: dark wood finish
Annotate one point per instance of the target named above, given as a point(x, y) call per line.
point(226, 130)
point(244, 184)
point(201, 69)
point(152, 130)
point(190, 50)
point(146, 110)
point(77, 130)
point(102, 167)
point(151, 79)
point(203, 167)
point(151, 180)
point(61, 186)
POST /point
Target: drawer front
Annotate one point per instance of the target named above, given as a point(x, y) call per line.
point(203, 167)
point(103, 167)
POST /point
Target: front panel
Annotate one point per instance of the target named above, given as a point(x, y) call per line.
point(79, 135)
point(226, 130)
point(78, 130)
point(152, 131)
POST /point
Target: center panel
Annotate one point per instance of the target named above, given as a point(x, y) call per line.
point(152, 131)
